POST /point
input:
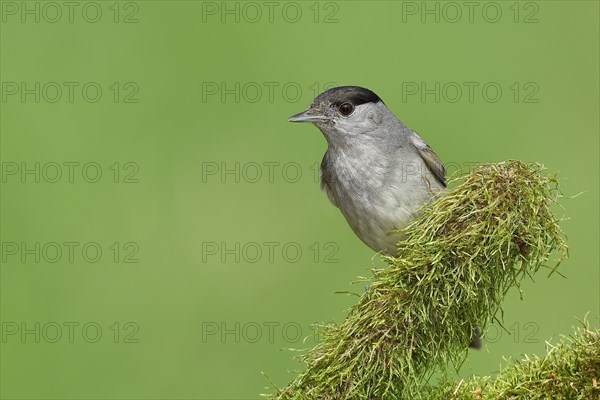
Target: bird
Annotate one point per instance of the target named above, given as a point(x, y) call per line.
point(377, 171)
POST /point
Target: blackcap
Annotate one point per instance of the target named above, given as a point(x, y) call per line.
point(376, 170)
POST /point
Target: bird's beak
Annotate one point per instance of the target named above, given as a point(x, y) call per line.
point(309, 115)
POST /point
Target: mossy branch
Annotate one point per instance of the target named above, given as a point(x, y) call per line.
point(570, 370)
point(450, 275)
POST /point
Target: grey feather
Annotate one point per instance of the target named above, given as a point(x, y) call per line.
point(431, 159)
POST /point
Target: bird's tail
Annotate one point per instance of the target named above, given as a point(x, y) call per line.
point(476, 339)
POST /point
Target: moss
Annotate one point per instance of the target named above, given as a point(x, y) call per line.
point(570, 370)
point(450, 275)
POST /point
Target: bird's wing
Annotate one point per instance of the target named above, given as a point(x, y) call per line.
point(431, 159)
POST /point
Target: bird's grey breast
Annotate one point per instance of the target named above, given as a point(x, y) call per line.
point(369, 186)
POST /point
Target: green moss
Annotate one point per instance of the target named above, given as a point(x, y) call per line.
point(570, 370)
point(461, 256)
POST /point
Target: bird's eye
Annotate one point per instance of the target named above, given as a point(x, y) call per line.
point(346, 109)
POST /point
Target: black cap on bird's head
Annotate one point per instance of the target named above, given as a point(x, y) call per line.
point(354, 95)
point(342, 98)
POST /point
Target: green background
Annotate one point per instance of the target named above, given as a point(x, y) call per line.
point(176, 130)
